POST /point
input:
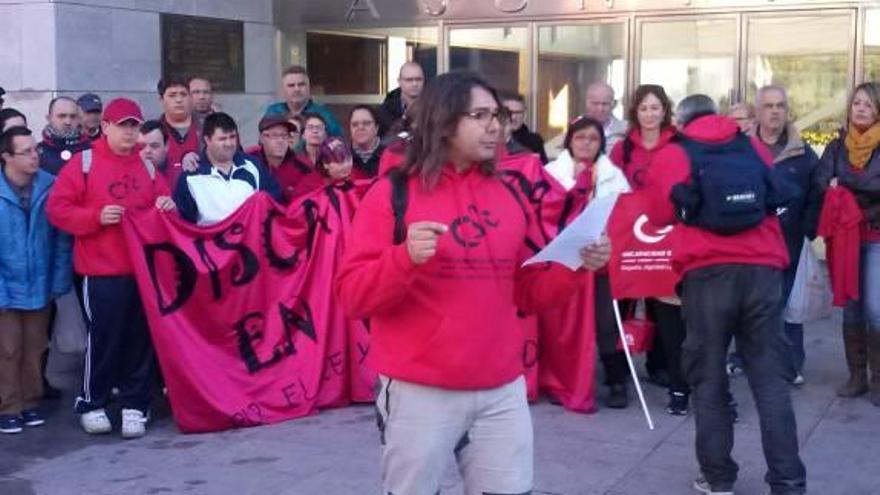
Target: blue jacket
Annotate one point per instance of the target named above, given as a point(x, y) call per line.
point(35, 257)
point(333, 127)
point(800, 218)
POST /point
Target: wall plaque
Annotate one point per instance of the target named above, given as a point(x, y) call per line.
point(204, 47)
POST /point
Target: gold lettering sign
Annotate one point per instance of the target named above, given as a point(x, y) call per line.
point(204, 47)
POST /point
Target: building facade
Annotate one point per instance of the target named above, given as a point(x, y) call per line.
point(548, 50)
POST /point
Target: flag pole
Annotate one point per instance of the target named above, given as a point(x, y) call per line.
point(632, 368)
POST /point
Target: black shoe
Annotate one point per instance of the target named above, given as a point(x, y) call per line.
point(11, 424)
point(32, 417)
point(617, 398)
point(678, 404)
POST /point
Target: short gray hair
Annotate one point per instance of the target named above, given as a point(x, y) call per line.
point(770, 88)
point(692, 107)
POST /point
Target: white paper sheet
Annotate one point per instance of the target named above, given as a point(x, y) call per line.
point(586, 229)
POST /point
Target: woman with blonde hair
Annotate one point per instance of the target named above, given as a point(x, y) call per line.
point(853, 160)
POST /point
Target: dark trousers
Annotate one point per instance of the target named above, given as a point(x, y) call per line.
point(119, 352)
point(607, 335)
point(744, 301)
point(670, 327)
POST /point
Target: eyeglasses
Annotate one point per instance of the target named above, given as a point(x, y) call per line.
point(315, 128)
point(484, 116)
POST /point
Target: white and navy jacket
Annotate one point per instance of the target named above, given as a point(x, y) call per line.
point(208, 196)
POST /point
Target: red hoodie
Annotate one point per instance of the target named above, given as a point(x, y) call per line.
point(393, 156)
point(179, 147)
point(451, 322)
point(697, 248)
point(293, 175)
point(75, 204)
point(640, 158)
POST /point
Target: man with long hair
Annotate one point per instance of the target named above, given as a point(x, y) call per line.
point(435, 264)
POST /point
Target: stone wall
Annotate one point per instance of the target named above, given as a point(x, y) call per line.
point(113, 48)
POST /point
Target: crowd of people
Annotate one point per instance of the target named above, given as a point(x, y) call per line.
point(745, 191)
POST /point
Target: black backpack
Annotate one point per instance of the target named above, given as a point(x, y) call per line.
point(732, 190)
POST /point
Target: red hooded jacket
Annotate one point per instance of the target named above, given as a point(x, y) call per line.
point(697, 248)
point(840, 224)
point(640, 158)
point(76, 200)
point(451, 322)
point(295, 177)
point(179, 147)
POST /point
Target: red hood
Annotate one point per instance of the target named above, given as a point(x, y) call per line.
point(666, 135)
point(711, 129)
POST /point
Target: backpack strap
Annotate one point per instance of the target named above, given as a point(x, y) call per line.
point(399, 201)
point(87, 164)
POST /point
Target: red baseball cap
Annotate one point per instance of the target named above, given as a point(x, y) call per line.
point(122, 109)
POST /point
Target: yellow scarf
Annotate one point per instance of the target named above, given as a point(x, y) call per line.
point(860, 145)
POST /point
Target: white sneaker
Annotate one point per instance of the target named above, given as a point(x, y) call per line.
point(95, 422)
point(134, 423)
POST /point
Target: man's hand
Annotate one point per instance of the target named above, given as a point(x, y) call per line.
point(595, 256)
point(190, 162)
point(112, 214)
point(165, 203)
point(421, 240)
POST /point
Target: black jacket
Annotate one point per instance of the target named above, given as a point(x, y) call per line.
point(799, 164)
point(55, 152)
point(531, 140)
point(370, 167)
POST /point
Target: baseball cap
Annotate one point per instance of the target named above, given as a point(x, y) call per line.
point(122, 109)
point(269, 121)
point(90, 102)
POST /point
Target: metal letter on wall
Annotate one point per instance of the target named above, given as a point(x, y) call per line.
point(435, 7)
point(511, 6)
point(357, 7)
point(204, 47)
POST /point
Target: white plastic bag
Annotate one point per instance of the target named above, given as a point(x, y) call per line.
point(69, 329)
point(811, 297)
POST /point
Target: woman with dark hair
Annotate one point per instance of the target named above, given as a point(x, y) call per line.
point(366, 146)
point(587, 173)
point(334, 160)
point(10, 117)
point(853, 161)
point(314, 135)
point(650, 118)
point(651, 129)
point(435, 263)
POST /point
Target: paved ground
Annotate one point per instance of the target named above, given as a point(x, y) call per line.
point(336, 453)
